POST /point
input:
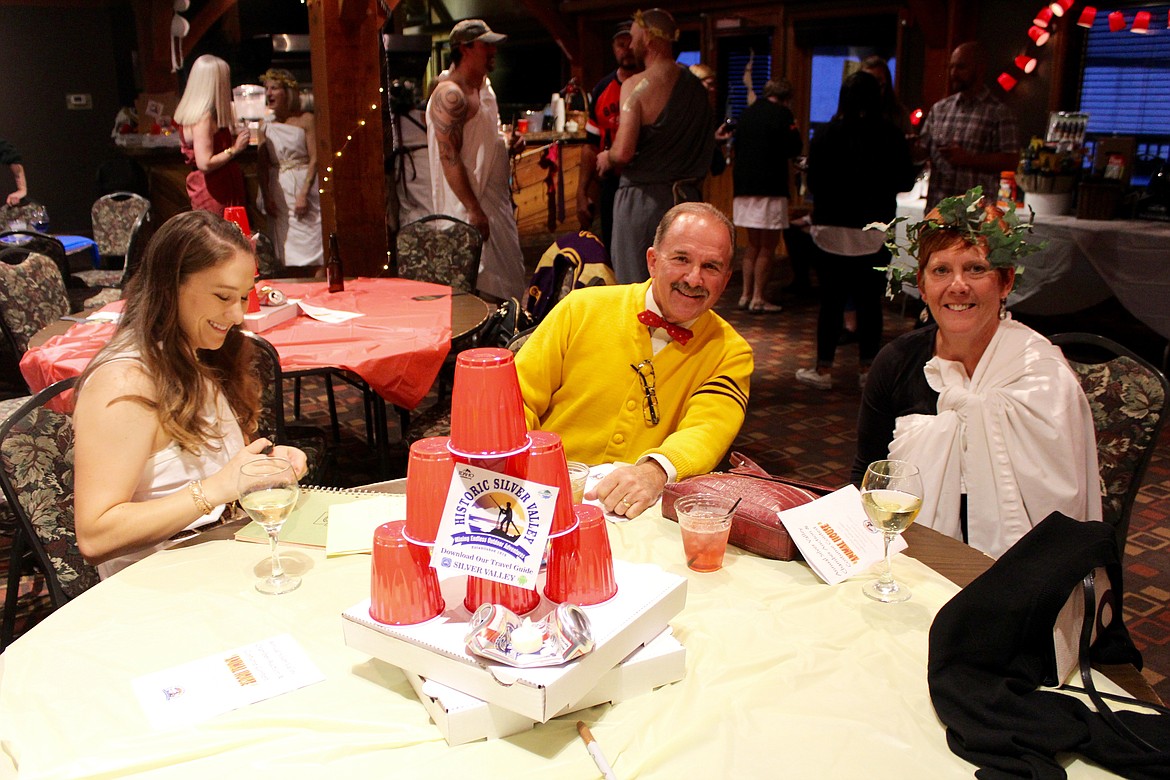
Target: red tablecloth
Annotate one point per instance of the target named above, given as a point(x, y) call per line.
point(397, 346)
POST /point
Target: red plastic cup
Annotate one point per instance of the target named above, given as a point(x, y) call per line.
point(428, 478)
point(580, 563)
point(404, 589)
point(522, 126)
point(239, 215)
point(547, 465)
point(481, 591)
point(487, 412)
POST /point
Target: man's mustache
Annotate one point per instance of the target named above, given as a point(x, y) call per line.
point(686, 289)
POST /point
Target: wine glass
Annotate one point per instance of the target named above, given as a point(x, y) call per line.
point(268, 493)
point(891, 494)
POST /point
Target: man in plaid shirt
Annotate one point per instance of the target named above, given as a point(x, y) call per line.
point(970, 135)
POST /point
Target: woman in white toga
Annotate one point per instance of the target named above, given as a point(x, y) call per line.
point(288, 173)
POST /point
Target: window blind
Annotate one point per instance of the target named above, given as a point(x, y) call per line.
point(1125, 86)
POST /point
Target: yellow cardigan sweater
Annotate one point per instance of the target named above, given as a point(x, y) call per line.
point(577, 380)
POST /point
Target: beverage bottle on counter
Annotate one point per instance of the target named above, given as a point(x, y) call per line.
point(1007, 186)
point(333, 272)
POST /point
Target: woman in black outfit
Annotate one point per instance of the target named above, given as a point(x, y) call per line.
point(857, 165)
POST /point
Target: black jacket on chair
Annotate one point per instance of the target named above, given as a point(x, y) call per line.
point(991, 648)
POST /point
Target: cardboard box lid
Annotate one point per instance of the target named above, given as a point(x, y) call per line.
point(646, 600)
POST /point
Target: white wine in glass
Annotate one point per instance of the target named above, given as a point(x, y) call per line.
point(268, 493)
point(891, 495)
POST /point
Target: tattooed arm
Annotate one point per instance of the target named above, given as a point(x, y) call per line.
point(625, 141)
point(449, 117)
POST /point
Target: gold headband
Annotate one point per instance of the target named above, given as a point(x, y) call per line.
point(654, 32)
point(280, 78)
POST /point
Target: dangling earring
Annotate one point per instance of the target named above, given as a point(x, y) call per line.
point(924, 315)
point(1003, 308)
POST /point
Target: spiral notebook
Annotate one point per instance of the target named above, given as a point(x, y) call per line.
point(308, 525)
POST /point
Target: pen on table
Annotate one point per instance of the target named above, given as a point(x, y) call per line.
point(595, 751)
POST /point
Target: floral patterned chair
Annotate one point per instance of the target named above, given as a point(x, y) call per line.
point(312, 441)
point(32, 294)
point(440, 249)
point(121, 228)
point(18, 243)
point(36, 474)
point(1127, 397)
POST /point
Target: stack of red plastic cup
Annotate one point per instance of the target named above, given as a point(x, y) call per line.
point(488, 431)
point(404, 589)
point(428, 479)
point(547, 465)
point(580, 563)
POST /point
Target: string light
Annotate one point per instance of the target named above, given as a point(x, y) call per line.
point(1088, 15)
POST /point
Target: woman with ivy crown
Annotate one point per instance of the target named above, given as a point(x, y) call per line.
point(987, 408)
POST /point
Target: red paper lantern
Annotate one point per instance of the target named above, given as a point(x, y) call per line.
point(1007, 81)
point(1043, 17)
point(1060, 6)
point(1026, 63)
point(1141, 22)
point(1088, 16)
point(1116, 21)
point(1038, 35)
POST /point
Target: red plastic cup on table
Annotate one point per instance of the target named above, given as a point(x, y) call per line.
point(404, 589)
point(239, 215)
point(487, 412)
point(580, 563)
point(481, 591)
point(547, 465)
point(428, 479)
point(522, 126)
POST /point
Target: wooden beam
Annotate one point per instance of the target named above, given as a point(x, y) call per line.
point(557, 27)
point(207, 16)
point(346, 85)
point(152, 21)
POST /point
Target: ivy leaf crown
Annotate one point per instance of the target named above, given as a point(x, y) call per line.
point(1000, 231)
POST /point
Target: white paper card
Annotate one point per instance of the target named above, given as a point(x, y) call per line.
point(193, 692)
point(494, 527)
point(331, 316)
point(351, 526)
point(835, 536)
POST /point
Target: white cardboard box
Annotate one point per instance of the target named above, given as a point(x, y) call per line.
point(270, 316)
point(462, 718)
point(647, 599)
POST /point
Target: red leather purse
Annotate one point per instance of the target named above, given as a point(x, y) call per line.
point(754, 526)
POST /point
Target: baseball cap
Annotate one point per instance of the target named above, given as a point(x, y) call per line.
point(623, 28)
point(474, 30)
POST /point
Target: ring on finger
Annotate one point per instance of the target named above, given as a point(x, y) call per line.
point(625, 502)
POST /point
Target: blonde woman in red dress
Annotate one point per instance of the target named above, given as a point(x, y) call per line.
point(209, 142)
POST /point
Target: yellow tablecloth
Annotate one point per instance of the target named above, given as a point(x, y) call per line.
point(785, 677)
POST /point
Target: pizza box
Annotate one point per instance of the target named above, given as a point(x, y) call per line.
point(270, 316)
point(462, 718)
point(647, 599)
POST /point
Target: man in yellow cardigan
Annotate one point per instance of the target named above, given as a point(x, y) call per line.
point(645, 374)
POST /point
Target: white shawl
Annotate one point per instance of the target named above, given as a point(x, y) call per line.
point(1017, 438)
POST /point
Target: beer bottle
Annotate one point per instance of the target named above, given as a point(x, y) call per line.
point(333, 272)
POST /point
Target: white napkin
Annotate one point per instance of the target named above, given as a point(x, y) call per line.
point(331, 316)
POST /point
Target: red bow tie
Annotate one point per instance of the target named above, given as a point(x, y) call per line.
point(677, 332)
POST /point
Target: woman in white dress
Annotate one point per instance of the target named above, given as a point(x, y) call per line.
point(165, 411)
point(288, 173)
